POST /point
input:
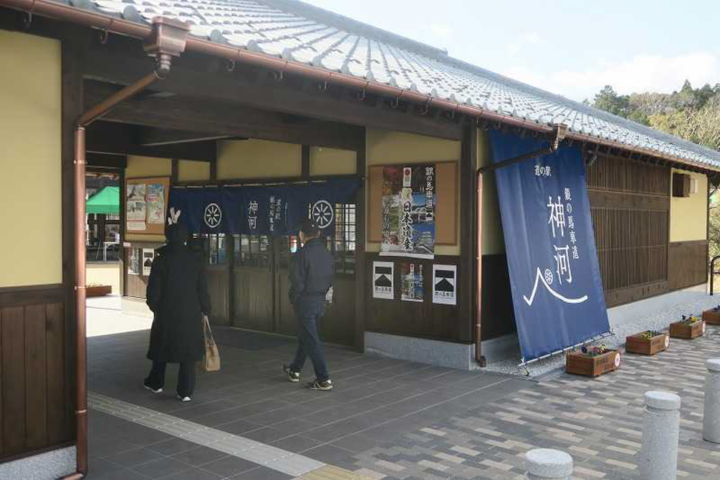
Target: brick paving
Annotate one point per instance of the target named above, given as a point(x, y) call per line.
point(598, 421)
point(392, 419)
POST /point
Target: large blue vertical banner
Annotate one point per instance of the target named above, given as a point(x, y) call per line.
point(555, 278)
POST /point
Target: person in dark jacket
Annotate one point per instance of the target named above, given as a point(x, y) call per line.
point(311, 276)
point(177, 294)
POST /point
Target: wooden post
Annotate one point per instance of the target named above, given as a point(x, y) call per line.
point(305, 161)
point(360, 270)
point(467, 273)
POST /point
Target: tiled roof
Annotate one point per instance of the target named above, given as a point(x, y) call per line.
point(303, 33)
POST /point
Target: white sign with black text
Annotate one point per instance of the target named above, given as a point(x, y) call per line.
point(445, 284)
point(383, 280)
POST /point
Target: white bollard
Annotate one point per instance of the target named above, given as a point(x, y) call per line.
point(661, 429)
point(711, 417)
point(544, 463)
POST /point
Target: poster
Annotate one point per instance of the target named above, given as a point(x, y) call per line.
point(557, 290)
point(411, 275)
point(136, 226)
point(155, 204)
point(445, 284)
point(148, 255)
point(408, 217)
point(384, 280)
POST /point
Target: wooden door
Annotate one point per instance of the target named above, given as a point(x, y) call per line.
point(254, 283)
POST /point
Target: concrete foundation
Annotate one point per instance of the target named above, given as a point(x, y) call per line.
point(45, 466)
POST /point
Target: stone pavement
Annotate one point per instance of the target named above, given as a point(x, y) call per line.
point(385, 419)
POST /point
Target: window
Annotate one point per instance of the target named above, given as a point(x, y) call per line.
point(252, 250)
point(343, 242)
point(213, 247)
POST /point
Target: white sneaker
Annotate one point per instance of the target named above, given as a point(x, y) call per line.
point(159, 390)
point(183, 399)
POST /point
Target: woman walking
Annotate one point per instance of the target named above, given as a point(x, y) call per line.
point(178, 296)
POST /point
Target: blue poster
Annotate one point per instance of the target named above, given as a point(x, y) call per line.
point(555, 278)
point(262, 210)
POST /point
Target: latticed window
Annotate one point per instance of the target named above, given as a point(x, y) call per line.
point(344, 241)
point(252, 250)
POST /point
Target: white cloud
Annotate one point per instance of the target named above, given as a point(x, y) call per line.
point(643, 73)
point(522, 42)
point(441, 30)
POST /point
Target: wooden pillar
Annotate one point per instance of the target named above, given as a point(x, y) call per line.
point(72, 108)
point(174, 178)
point(360, 270)
point(467, 272)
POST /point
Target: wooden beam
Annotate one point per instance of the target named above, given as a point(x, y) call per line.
point(215, 118)
point(123, 65)
point(360, 257)
point(106, 160)
point(156, 137)
point(119, 139)
point(305, 161)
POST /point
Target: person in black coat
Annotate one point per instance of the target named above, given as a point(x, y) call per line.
point(177, 294)
point(311, 276)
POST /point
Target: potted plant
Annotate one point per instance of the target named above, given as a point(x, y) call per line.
point(97, 290)
point(592, 361)
point(712, 316)
point(648, 342)
point(688, 328)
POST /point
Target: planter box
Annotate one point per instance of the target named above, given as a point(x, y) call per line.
point(711, 317)
point(580, 364)
point(688, 332)
point(98, 291)
point(647, 346)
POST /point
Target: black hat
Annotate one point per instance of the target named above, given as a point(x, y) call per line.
point(176, 233)
point(309, 227)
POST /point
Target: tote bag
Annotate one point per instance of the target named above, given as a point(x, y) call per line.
point(211, 360)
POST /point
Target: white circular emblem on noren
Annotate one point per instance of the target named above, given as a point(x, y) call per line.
point(323, 214)
point(213, 215)
point(617, 360)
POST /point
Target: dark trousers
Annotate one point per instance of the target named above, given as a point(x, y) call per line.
point(307, 314)
point(186, 377)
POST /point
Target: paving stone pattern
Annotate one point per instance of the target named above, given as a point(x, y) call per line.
point(598, 421)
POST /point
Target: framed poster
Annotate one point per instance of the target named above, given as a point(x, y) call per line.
point(148, 255)
point(411, 275)
point(384, 280)
point(445, 284)
point(408, 211)
point(146, 202)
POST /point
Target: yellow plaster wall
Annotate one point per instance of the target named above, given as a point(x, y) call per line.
point(189, 171)
point(258, 159)
point(146, 167)
point(688, 216)
point(388, 147)
point(30, 161)
point(332, 161)
point(493, 241)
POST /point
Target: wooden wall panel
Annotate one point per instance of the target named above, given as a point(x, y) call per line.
point(630, 207)
point(218, 280)
point(136, 286)
point(34, 412)
point(688, 263)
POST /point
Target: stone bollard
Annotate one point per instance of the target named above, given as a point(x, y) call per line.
point(544, 463)
point(661, 429)
point(711, 417)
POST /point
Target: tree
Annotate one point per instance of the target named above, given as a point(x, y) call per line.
point(610, 101)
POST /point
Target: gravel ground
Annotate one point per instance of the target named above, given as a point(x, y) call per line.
point(651, 314)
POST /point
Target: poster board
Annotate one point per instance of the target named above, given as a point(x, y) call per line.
point(146, 201)
point(447, 210)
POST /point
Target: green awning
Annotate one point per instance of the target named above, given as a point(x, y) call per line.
point(105, 201)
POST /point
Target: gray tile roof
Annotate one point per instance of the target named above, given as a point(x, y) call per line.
point(303, 33)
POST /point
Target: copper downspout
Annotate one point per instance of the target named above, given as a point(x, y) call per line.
point(107, 23)
point(479, 358)
point(168, 40)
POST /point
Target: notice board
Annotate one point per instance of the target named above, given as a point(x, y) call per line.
point(146, 201)
point(446, 216)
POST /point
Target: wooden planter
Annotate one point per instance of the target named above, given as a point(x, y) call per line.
point(711, 317)
point(98, 291)
point(647, 346)
point(580, 364)
point(688, 332)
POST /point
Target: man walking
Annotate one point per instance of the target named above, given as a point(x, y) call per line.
point(311, 276)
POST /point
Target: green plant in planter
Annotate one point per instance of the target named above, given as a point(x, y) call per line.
point(594, 351)
point(689, 320)
point(647, 335)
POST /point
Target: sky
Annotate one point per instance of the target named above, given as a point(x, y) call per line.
point(570, 47)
